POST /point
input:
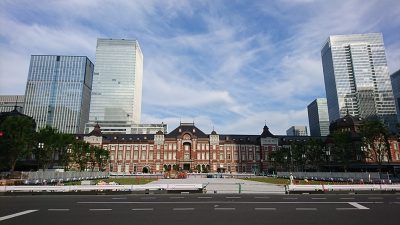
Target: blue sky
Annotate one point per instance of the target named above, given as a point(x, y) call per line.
point(226, 64)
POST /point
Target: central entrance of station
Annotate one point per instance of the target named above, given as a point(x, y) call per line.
point(186, 166)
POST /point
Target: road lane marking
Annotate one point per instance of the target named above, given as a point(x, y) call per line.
point(225, 202)
point(290, 198)
point(58, 209)
point(224, 208)
point(306, 209)
point(358, 206)
point(183, 209)
point(143, 209)
point(346, 198)
point(375, 198)
point(346, 209)
point(318, 198)
point(204, 197)
point(100, 209)
point(266, 209)
point(263, 197)
point(17, 214)
point(119, 198)
point(147, 198)
point(176, 197)
point(232, 197)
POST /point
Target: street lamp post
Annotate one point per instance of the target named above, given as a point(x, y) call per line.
point(40, 148)
point(303, 156)
point(69, 152)
point(328, 158)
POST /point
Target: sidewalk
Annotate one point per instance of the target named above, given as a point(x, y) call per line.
point(227, 185)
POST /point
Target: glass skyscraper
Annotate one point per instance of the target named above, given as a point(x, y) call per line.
point(58, 91)
point(357, 79)
point(117, 85)
point(318, 117)
point(297, 131)
point(395, 77)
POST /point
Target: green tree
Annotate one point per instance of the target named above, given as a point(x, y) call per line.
point(375, 138)
point(47, 142)
point(102, 157)
point(299, 155)
point(81, 153)
point(315, 153)
point(17, 140)
point(342, 151)
point(64, 149)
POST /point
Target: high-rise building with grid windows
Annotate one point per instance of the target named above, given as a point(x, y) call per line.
point(58, 92)
point(395, 77)
point(318, 117)
point(357, 79)
point(117, 86)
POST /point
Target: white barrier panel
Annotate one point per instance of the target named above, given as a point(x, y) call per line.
point(329, 188)
point(75, 188)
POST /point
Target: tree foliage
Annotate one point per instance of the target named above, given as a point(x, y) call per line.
point(17, 140)
point(375, 138)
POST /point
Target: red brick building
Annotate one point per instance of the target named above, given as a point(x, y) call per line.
point(187, 148)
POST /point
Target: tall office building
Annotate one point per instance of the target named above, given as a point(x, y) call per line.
point(11, 102)
point(395, 77)
point(117, 85)
point(58, 91)
point(297, 131)
point(357, 79)
point(318, 117)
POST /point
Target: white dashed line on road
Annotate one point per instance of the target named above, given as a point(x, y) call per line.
point(346, 209)
point(232, 197)
point(290, 198)
point(17, 214)
point(147, 198)
point(119, 198)
point(183, 209)
point(375, 198)
point(100, 209)
point(204, 197)
point(143, 209)
point(265, 209)
point(176, 197)
point(306, 209)
point(318, 198)
point(263, 197)
point(346, 198)
point(224, 209)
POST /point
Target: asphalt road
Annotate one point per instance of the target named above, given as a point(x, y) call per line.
point(201, 209)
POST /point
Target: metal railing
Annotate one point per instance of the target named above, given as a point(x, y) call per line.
point(46, 177)
point(336, 176)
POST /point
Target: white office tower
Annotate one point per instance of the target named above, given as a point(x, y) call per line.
point(117, 88)
point(318, 117)
point(357, 78)
point(297, 131)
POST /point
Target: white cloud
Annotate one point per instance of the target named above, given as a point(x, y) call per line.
point(209, 61)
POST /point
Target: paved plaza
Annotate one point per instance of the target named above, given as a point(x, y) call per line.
point(227, 185)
